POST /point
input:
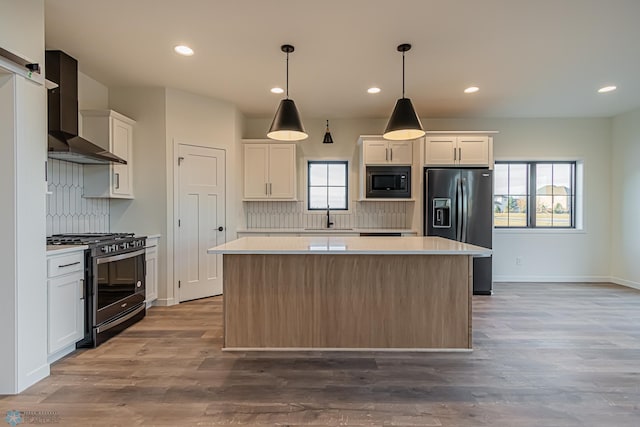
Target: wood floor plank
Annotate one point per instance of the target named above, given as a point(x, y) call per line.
point(544, 355)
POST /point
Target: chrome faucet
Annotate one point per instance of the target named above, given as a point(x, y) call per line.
point(329, 223)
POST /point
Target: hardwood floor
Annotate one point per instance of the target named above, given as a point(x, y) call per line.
point(544, 355)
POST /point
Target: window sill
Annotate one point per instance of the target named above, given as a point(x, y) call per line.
point(525, 231)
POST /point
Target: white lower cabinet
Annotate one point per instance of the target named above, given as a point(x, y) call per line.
point(66, 304)
point(151, 278)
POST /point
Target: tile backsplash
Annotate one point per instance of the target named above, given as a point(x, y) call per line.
point(293, 215)
point(67, 210)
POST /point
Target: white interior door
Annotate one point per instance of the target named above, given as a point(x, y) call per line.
point(201, 177)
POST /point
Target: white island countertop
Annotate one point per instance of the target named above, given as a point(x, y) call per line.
point(349, 246)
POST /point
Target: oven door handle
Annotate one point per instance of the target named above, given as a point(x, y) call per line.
point(119, 257)
point(120, 320)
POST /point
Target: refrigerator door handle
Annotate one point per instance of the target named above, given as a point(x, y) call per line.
point(458, 210)
point(465, 209)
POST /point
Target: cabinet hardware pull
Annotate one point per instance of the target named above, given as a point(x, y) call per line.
point(84, 292)
point(455, 154)
point(117, 181)
point(391, 154)
point(69, 265)
point(460, 154)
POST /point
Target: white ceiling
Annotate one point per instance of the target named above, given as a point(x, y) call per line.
point(543, 58)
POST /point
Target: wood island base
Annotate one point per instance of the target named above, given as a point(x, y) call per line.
point(347, 302)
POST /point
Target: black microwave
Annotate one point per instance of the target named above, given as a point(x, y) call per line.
point(389, 182)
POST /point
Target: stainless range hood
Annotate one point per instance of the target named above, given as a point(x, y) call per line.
point(63, 140)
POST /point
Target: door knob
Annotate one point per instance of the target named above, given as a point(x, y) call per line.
point(221, 228)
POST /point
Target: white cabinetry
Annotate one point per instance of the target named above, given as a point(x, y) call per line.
point(465, 150)
point(269, 171)
point(65, 297)
point(151, 278)
point(113, 132)
point(377, 151)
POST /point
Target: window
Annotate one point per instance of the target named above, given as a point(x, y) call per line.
point(534, 194)
point(327, 185)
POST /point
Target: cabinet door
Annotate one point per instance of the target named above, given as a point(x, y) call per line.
point(282, 171)
point(256, 158)
point(440, 150)
point(473, 150)
point(121, 134)
point(151, 279)
point(401, 152)
point(375, 152)
point(65, 311)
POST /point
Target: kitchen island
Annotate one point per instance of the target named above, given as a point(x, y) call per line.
point(347, 293)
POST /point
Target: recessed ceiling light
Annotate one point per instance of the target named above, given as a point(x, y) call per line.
point(277, 90)
point(373, 90)
point(183, 50)
point(607, 89)
point(471, 89)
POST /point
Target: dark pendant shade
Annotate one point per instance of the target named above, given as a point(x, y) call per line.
point(327, 136)
point(404, 122)
point(286, 125)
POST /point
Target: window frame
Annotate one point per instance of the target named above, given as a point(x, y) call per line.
point(308, 184)
point(532, 195)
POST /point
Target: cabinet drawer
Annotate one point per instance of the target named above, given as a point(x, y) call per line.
point(64, 264)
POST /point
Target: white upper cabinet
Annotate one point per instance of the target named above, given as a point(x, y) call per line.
point(465, 150)
point(269, 171)
point(383, 152)
point(113, 132)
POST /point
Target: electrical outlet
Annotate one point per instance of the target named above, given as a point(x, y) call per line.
point(518, 260)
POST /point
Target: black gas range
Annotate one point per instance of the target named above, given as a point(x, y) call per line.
point(114, 282)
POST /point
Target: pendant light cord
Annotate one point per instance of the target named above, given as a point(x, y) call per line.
point(403, 74)
point(287, 75)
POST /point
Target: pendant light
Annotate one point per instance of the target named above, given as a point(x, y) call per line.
point(286, 125)
point(327, 136)
point(404, 122)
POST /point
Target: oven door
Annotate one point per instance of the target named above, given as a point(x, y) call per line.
point(119, 284)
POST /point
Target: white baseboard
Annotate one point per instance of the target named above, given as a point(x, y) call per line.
point(547, 279)
point(567, 279)
point(61, 353)
point(164, 302)
point(627, 283)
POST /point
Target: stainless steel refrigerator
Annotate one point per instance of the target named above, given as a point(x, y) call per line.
point(458, 206)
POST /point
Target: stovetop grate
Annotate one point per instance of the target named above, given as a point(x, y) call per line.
point(86, 238)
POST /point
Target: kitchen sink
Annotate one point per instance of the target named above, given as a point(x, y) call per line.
point(329, 229)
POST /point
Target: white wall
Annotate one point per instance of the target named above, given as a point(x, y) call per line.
point(165, 117)
point(199, 120)
point(92, 95)
point(625, 200)
point(23, 288)
point(575, 255)
point(147, 213)
point(345, 133)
